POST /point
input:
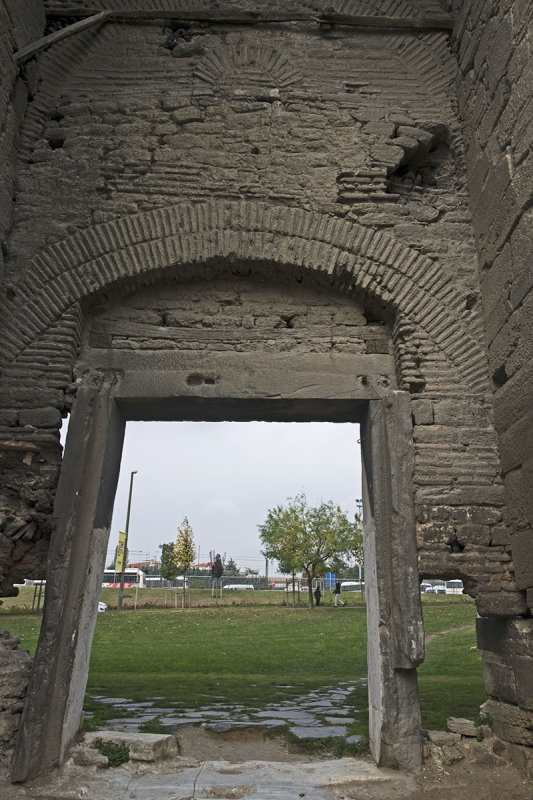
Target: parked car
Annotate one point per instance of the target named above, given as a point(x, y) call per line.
point(102, 606)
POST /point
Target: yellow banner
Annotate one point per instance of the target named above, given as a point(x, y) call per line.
point(119, 563)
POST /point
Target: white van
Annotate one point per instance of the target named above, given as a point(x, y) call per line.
point(238, 586)
point(352, 586)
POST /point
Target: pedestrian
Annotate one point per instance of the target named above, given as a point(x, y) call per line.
point(338, 594)
point(318, 595)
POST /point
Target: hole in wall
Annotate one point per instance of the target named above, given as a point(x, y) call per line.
point(499, 377)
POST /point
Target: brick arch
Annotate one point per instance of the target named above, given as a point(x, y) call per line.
point(137, 246)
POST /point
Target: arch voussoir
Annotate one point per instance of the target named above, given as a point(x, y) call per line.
point(134, 246)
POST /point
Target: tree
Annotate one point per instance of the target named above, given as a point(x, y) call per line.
point(308, 538)
point(217, 566)
point(152, 569)
point(231, 568)
point(184, 550)
point(168, 569)
point(217, 570)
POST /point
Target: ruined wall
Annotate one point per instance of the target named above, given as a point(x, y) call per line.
point(20, 23)
point(330, 157)
point(15, 668)
point(141, 153)
point(495, 92)
point(496, 100)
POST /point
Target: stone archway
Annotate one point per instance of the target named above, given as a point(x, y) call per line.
point(436, 353)
point(138, 248)
point(281, 387)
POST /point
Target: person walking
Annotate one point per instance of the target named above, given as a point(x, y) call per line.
point(338, 594)
point(318, 595)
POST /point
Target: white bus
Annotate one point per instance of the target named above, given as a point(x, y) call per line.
point(454, 587)
point(132, 577)
point(352, 586)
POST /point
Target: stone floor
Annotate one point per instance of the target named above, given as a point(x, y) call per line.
point(219, 780)
point(323, 712)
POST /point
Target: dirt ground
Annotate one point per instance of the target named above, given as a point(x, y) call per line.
point(236, 746)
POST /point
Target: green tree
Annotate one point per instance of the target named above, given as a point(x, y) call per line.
point(231, 568)
point(152, 569)
point(168, 569)
point(217, 566)
point(217, 570)
point(308, 538)
point(184, 551)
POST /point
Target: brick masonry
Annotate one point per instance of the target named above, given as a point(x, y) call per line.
point(328, 159)
point(493, 41)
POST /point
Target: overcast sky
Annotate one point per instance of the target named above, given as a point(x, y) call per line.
point(224, 476)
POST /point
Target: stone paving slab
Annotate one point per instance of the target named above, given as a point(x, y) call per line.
point(288, 715)
point(318, 732)
point(219, 780)
point(226, 726)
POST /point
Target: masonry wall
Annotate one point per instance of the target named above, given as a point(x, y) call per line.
point(358, 127)
point(20, 23)
point(331, 155)
point(495, 94)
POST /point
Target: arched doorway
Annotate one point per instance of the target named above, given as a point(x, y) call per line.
point(289, 377)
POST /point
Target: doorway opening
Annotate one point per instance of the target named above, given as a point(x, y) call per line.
point(249, 655)
point(84, 504)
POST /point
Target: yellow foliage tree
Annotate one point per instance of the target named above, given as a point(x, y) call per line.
point(184, 551)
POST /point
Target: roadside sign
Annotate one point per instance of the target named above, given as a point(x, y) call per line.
point(330, 580)
point(119, 563)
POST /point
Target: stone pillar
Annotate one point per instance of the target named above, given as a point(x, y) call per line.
point(394, 610)
point(84, 503)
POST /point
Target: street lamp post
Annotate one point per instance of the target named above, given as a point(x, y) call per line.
point(124, 560)
point(359, 504)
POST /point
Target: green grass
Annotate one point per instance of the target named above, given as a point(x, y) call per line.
point(199, 598)
point(449, 681)
point(258, 655)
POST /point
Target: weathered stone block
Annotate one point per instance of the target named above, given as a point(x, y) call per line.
point(498, 677)
point(480, 753)
point(522, 758)
point(500, 604)
point(422, 412)
point(465, 727)
point(499, 536)
point(473, 535)
point(142, 746)
point(511, 722)
point(89, 757)
point(522, 550)
point(41, 417)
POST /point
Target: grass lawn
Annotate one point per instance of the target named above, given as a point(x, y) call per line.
point(257, 655)
point(199, 598)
